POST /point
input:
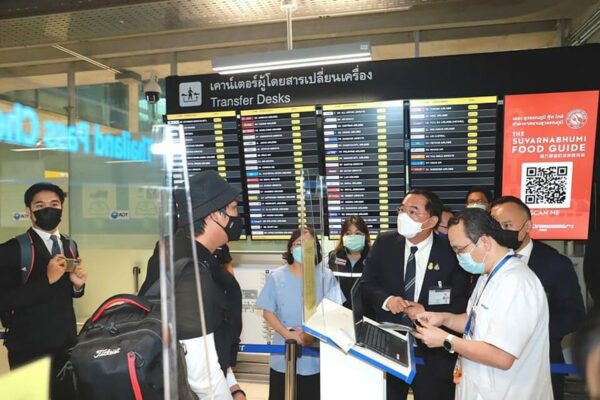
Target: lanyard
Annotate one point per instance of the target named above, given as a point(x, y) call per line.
point(498, 267)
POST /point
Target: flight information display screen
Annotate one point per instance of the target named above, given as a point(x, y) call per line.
point(278, 144)
point(453, 146)
point(364, 163)
point(212, 142)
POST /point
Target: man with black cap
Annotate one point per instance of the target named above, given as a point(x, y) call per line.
point(215, 222)
point(37, 291)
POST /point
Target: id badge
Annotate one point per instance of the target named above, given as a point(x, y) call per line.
point(439, 296)
point(471, 332)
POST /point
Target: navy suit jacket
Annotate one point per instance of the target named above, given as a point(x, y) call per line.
point(565, 302)
point(383, 276)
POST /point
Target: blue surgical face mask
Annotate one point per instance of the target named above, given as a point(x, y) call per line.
point(354, 243)
point(468, 264)
point(297, 254)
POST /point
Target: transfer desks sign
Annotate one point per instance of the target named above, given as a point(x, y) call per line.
point(549, 159)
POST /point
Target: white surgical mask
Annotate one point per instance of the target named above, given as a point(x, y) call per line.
point(408, 227)
point(477, 205)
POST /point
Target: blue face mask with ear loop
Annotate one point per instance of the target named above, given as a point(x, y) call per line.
point(468, 264)
point(297, 254)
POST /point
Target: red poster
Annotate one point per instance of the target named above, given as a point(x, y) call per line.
point(549, 159)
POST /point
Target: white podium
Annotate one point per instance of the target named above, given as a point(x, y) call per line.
point(358, 373)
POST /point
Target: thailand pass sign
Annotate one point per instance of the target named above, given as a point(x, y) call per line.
point(549, 158)
point(23, 126)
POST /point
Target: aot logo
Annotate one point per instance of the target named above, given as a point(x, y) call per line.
point(190, 94)
point(119, 214)
point(576, 119)
point(17, 216)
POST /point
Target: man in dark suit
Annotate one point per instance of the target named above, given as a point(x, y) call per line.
point(554, 270)
point(37, 307)
point(591, 272)
point(412, 270)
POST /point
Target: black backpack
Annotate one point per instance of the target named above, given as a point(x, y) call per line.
point(118, 354)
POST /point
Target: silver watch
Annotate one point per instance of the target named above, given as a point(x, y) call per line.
point(448, 344)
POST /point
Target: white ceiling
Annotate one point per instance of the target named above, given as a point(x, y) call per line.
point(149, 35)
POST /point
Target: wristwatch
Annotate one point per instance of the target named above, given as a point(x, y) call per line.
point(448, 344)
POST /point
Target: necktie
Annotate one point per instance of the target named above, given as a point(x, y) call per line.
point(55, 246)
point(409, 275)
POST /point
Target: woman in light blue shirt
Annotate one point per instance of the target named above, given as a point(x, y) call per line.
point(281, 300)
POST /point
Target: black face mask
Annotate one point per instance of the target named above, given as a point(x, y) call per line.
point(233, 229)
point(48, 218)
point(511, 239)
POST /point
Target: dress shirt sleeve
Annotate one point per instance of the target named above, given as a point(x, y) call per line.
point(514, 316)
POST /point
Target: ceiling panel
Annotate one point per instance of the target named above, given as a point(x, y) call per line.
point(158, 16)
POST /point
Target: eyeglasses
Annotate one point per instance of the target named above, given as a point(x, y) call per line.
point(411, 212)
point(460, 250)
point(478, 201)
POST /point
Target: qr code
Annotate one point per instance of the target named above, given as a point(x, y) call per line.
point(547, 185)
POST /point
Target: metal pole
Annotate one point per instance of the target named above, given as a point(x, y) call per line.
point(291, 354)
point(174, 64)
point(417, 44)
point(288, 16)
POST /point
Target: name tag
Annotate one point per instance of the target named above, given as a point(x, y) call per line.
point(439, 296)
point(340, 261)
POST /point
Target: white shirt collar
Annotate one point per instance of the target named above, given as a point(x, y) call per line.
point(525, 252)
point(422, 245)
point(45, 235)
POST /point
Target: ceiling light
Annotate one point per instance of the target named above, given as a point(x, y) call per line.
point(36, 149)
point(287, 59)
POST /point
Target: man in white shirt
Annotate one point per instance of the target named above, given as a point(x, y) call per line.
point(555, 272)
point(503, 352)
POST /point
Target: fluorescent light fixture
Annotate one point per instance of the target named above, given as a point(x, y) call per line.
point(36, 149)
point(124, 161)
point(287, 59)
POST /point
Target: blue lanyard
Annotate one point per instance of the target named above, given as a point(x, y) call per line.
point(498, 267)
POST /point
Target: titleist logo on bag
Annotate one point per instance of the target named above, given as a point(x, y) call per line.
point(107, 352)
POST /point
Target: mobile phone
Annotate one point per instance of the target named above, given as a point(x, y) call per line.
point(417, 323)
point(72, 263)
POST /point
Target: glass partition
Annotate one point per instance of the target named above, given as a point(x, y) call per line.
point(311, 219)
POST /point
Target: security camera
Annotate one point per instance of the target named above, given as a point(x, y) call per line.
point(152, 90)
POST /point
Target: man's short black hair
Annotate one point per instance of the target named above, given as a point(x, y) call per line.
point(41, 187)
point(478, 189)
point(478, 223)
point(434, 205)
point(514, 200)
